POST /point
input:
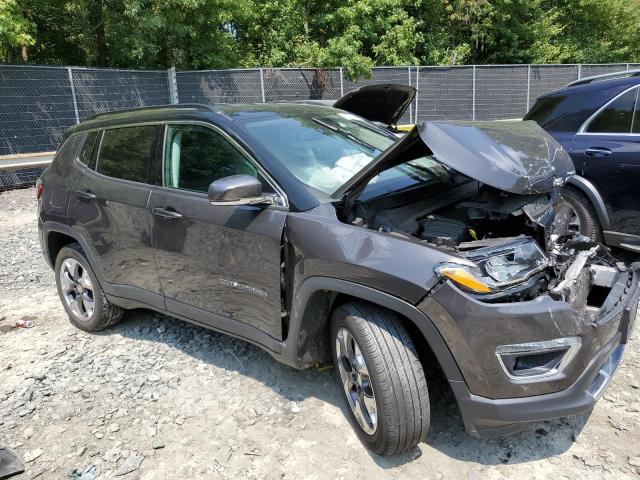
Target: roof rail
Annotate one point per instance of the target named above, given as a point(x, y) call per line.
point(605, 76)
point(177, 106)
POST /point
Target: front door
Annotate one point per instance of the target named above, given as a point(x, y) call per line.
point(109, 208)
point(607, 152)
point(215, 262)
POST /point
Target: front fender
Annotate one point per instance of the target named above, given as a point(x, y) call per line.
point(301, 327)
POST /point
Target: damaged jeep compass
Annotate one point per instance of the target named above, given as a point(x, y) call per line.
point(319, 234)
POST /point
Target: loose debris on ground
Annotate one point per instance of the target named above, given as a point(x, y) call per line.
point(157, 398)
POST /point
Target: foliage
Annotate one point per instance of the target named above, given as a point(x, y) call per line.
point(15, 29)
point(354, 34)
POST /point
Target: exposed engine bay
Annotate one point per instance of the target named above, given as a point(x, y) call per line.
point(514, 247)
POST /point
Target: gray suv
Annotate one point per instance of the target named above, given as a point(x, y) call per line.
point(317, 234)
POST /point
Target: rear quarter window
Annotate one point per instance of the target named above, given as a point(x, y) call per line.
point(128, 152)
point(89, 153)
point(565, 112)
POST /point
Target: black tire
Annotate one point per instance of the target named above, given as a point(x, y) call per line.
point(105, 313)
point(589, 223)
point(396, 377)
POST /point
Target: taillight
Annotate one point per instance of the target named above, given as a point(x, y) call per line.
point(39, 188)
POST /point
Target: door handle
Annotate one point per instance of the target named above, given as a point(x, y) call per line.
point(164, 213)
point(85, 194)
point(597, 152)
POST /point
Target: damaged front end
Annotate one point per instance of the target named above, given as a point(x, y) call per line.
point(574, 269)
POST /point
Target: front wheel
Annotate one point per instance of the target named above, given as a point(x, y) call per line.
point(381, 378)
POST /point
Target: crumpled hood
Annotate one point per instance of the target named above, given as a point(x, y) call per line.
point(518, 157)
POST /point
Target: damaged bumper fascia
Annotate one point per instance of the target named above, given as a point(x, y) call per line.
point(591, 307)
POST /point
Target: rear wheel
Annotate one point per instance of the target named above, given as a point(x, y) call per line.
point(381, 378)
point(80, 292)
point(581, 216)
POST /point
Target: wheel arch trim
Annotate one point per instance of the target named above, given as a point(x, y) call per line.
point(312, 285)
point(590, 190)
point(57, 227)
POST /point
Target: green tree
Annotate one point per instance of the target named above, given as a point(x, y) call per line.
point(15, 31)
point(356, 34)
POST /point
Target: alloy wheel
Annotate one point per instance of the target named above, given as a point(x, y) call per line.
point(355, 379)
point(77, 289)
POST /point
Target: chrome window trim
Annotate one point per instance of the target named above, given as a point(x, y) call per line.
point(636, 109)
point(587, 122)
point(270, 180)
point(165, 123)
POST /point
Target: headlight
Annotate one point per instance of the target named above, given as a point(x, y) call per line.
point(496, 268)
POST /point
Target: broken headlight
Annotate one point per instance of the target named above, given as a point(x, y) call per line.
point(496, 267)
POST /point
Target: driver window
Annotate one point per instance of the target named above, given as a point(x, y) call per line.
point(195, 156)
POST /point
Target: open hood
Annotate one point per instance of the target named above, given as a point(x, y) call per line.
point(517, 157)
point(384, 103)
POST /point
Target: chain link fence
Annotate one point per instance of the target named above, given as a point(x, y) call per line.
point(38, 103)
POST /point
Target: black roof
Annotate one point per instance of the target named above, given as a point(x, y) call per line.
point(597, 85)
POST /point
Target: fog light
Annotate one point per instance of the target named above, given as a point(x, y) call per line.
point(524, 361)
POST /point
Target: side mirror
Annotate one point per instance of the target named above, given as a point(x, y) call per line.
point(238, 190)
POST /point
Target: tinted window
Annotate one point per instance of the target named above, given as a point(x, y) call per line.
point(89, 152)
point(128, 152)
point(565, 112)
point(195, 156)
point(615, 118)
point(67, 151)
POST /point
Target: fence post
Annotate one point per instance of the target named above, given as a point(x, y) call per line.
point(410, 105)
point(341, 83)
point(528, 85)
point(73, 94)
point(579, 71)
point(473, 96)
point(417, 94)
point(627, 66)
point(173, 85)
point(264, 98)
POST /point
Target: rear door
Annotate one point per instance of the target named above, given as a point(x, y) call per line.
point(219, 265)
point(606, 150)
point(108, 207)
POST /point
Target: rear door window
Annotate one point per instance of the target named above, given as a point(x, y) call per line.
point(128, 152)
point(617, 116)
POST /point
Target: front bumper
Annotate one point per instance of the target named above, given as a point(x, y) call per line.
point(493, 404)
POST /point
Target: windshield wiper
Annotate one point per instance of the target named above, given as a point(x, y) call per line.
point(343, 132)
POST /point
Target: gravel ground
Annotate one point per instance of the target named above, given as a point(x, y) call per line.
point(156, 398)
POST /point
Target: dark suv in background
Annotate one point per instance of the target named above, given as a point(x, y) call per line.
point(597, 120)
point(319, 235)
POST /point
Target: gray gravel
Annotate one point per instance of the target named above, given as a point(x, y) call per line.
point(156, 398)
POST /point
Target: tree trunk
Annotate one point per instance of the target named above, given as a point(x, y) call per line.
point(96, 23)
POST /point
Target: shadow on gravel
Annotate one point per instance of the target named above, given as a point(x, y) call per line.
point(446, 434)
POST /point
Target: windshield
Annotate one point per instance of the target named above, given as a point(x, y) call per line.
point(323, 148)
